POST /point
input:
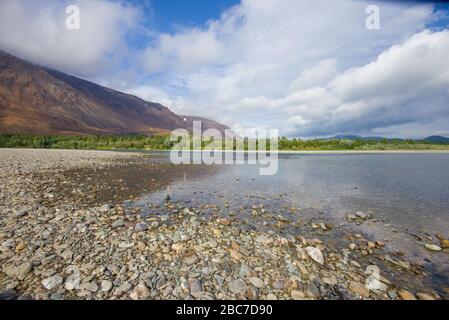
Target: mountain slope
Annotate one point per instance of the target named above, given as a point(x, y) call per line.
point(41, 101)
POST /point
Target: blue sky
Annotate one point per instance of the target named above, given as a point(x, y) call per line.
point(307, 70)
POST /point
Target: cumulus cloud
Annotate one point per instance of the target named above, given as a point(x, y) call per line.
point(307, 69)
point(36, 31)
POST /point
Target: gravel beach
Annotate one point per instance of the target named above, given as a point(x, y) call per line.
point(53, 247)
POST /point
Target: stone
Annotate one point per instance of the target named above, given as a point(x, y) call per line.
point(352, 246)
point(406, 295)
point(105, 208)
point(73, 281)
point(312, 290)
point(297, 295)
point(22, 212)
point(257, 282)
point(358, 289)
point(330, 281)
point(315, 254)
point(271, 296)
point(8, 294)
point(235, 254)
point(123, 288)
point(22, 270)
point(118, 223)
point(106, 285)
point(140, 292)
point(52, 282)
point(195, 287)
point(444, 243)
point(190, 259)
point(21, 246)
point(424, 296)
point(278, 285)
point(141, 226)
point(238, 286)
point(432, 247)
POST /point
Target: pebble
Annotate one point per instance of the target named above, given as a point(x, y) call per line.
point(258, 283)
point(140, 292)
point(432, 247)
point(238, 287)
point(358, 289)
point(124, 288)
point(106, 285)
point(52, 282)
point(315, 254)
point(141, 227)
point(406, 295)
point(424, 296)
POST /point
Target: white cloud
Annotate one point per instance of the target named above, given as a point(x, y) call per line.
point(36, 31)
point(306, 69)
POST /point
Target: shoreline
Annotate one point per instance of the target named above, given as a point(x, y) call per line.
point(55, 248)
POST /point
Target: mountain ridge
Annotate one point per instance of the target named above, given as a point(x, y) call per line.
point(40, 100)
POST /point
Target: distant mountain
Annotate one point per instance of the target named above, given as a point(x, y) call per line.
point(355, 137)
point(38, 100)
point(437, 139)
point(431, 139)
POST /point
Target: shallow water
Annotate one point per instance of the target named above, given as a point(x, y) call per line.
point(407, 194)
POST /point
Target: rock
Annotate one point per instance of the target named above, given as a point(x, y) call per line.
point(52, 282)
point(406, 295)
point(225, 222)
point(73, 281)
point(297, 295)
point(352, 246)
point(8, 294)
point(105, 208)
point(118, 223)
point(392, 294)
point(362, 215)
point(258, 283)
point(190, 259)
point(444, 243)
point(140, 292)
point(22, 212)
point(278, 285)
point(67, 254)
point(330, 281)
point(21, 246)
point(315, 254)
point(235, 254)
point(23, 270)
point(271, 296)
point(124, 288)
point(238, 287)
point(244, 270)
point(312, 290)
point(358, 289)
point(195, 287)
point(432, 247)
point(141, 227)
point(106, 285)
point(424, 296)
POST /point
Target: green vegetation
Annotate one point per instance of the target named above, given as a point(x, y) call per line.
point(162, 142)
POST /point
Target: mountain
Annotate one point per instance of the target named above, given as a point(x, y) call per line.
point(355, 137)
point(37, 100)
point(437, 139)
point(431, 139)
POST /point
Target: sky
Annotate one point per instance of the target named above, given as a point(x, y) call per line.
point(309, 70)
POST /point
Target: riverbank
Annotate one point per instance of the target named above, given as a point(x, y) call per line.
point(60, 240)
